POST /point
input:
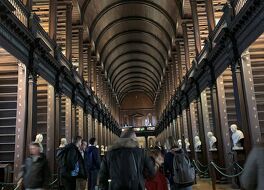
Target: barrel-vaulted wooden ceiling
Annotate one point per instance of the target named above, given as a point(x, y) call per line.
point(132, 38)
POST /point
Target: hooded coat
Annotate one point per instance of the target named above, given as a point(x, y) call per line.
point(115, 162)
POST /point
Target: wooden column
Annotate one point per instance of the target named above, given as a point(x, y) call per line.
point(68, 120)
point(251, 105)
point(31, 108)
point(85, 126)
point(190, 132)
point(210, 15)
point(52, 19)
point(21, 117)
point(73, 121)
point(205, 153)
point(81, 122)
point(69, 32)
point(81, 52)
point(224, 128)
point(58, 119)
point(90, 126)
point(186, 46)
point(51, 127)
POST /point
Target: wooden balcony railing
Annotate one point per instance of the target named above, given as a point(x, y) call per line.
point(20, 11)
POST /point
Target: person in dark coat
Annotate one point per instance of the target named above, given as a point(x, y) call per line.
point(168, 160)
point(124, 164)
point(35, 174)
point(92, 163)
point(74, 164)
point(253, 174)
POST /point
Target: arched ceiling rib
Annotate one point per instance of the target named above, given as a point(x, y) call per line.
point(133, 38)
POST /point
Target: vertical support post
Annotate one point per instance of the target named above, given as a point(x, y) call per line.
point(68, 120)
point(51, 127)
point(21, 116)
point(69, 32)
point(197, 38)
point(58, 119)
point(32, 108)
point(73, 121)
point(52, 19)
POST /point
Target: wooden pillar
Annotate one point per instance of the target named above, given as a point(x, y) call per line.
point(81, 52)
point(210, 15)
point(73, 121)
point(52, 19)
point(186, 46)
point(90, 126)
point(85, 126)
point(58, 119)
point(69, 32)
point(190, 132)
point(251, 105)
point(81, 122)
point(21, 117)
point(51, 127)
point(31, 108)
point(201, 129)
point(68, 120)
point(28, 4)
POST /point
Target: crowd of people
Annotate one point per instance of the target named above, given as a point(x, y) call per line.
point(125, 166)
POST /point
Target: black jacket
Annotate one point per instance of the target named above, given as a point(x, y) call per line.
point(113, 163)
point(73, 156)
point(36, 173)
point(92, 158)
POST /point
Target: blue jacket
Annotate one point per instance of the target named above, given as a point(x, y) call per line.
point(92, 158)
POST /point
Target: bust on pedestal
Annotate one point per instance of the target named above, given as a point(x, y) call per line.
point(39, 139)
point(212, 141)
point(102, 150)
point(197, 144)
point(187, 144)
point(237, 137)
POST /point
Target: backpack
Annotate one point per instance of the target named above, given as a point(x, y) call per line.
point(61, 156)
point(123, 170)
point(184, 172)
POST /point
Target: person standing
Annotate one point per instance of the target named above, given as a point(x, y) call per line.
point(253, 174)
point(35, 174)
point(92, 163)
point(59, 151)
point(124, 164)
point(159, 181)
point(81, 182)
point(73, 166)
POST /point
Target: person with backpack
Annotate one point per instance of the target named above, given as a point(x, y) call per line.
point(123, 165)
point(168, 160)
point(183, 171)
point(59, 153)
point(72, 164)
point(92, 163)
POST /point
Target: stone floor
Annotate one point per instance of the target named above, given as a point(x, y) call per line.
point(205, 184)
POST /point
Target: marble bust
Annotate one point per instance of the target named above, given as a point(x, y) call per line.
point(102, 150)
point(180, 143)
point(237, 137)
point(187, 144)
point(39, 139)
point(197, 144)
point(212, 141)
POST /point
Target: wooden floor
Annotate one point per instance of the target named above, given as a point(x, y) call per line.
point(205, 184)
